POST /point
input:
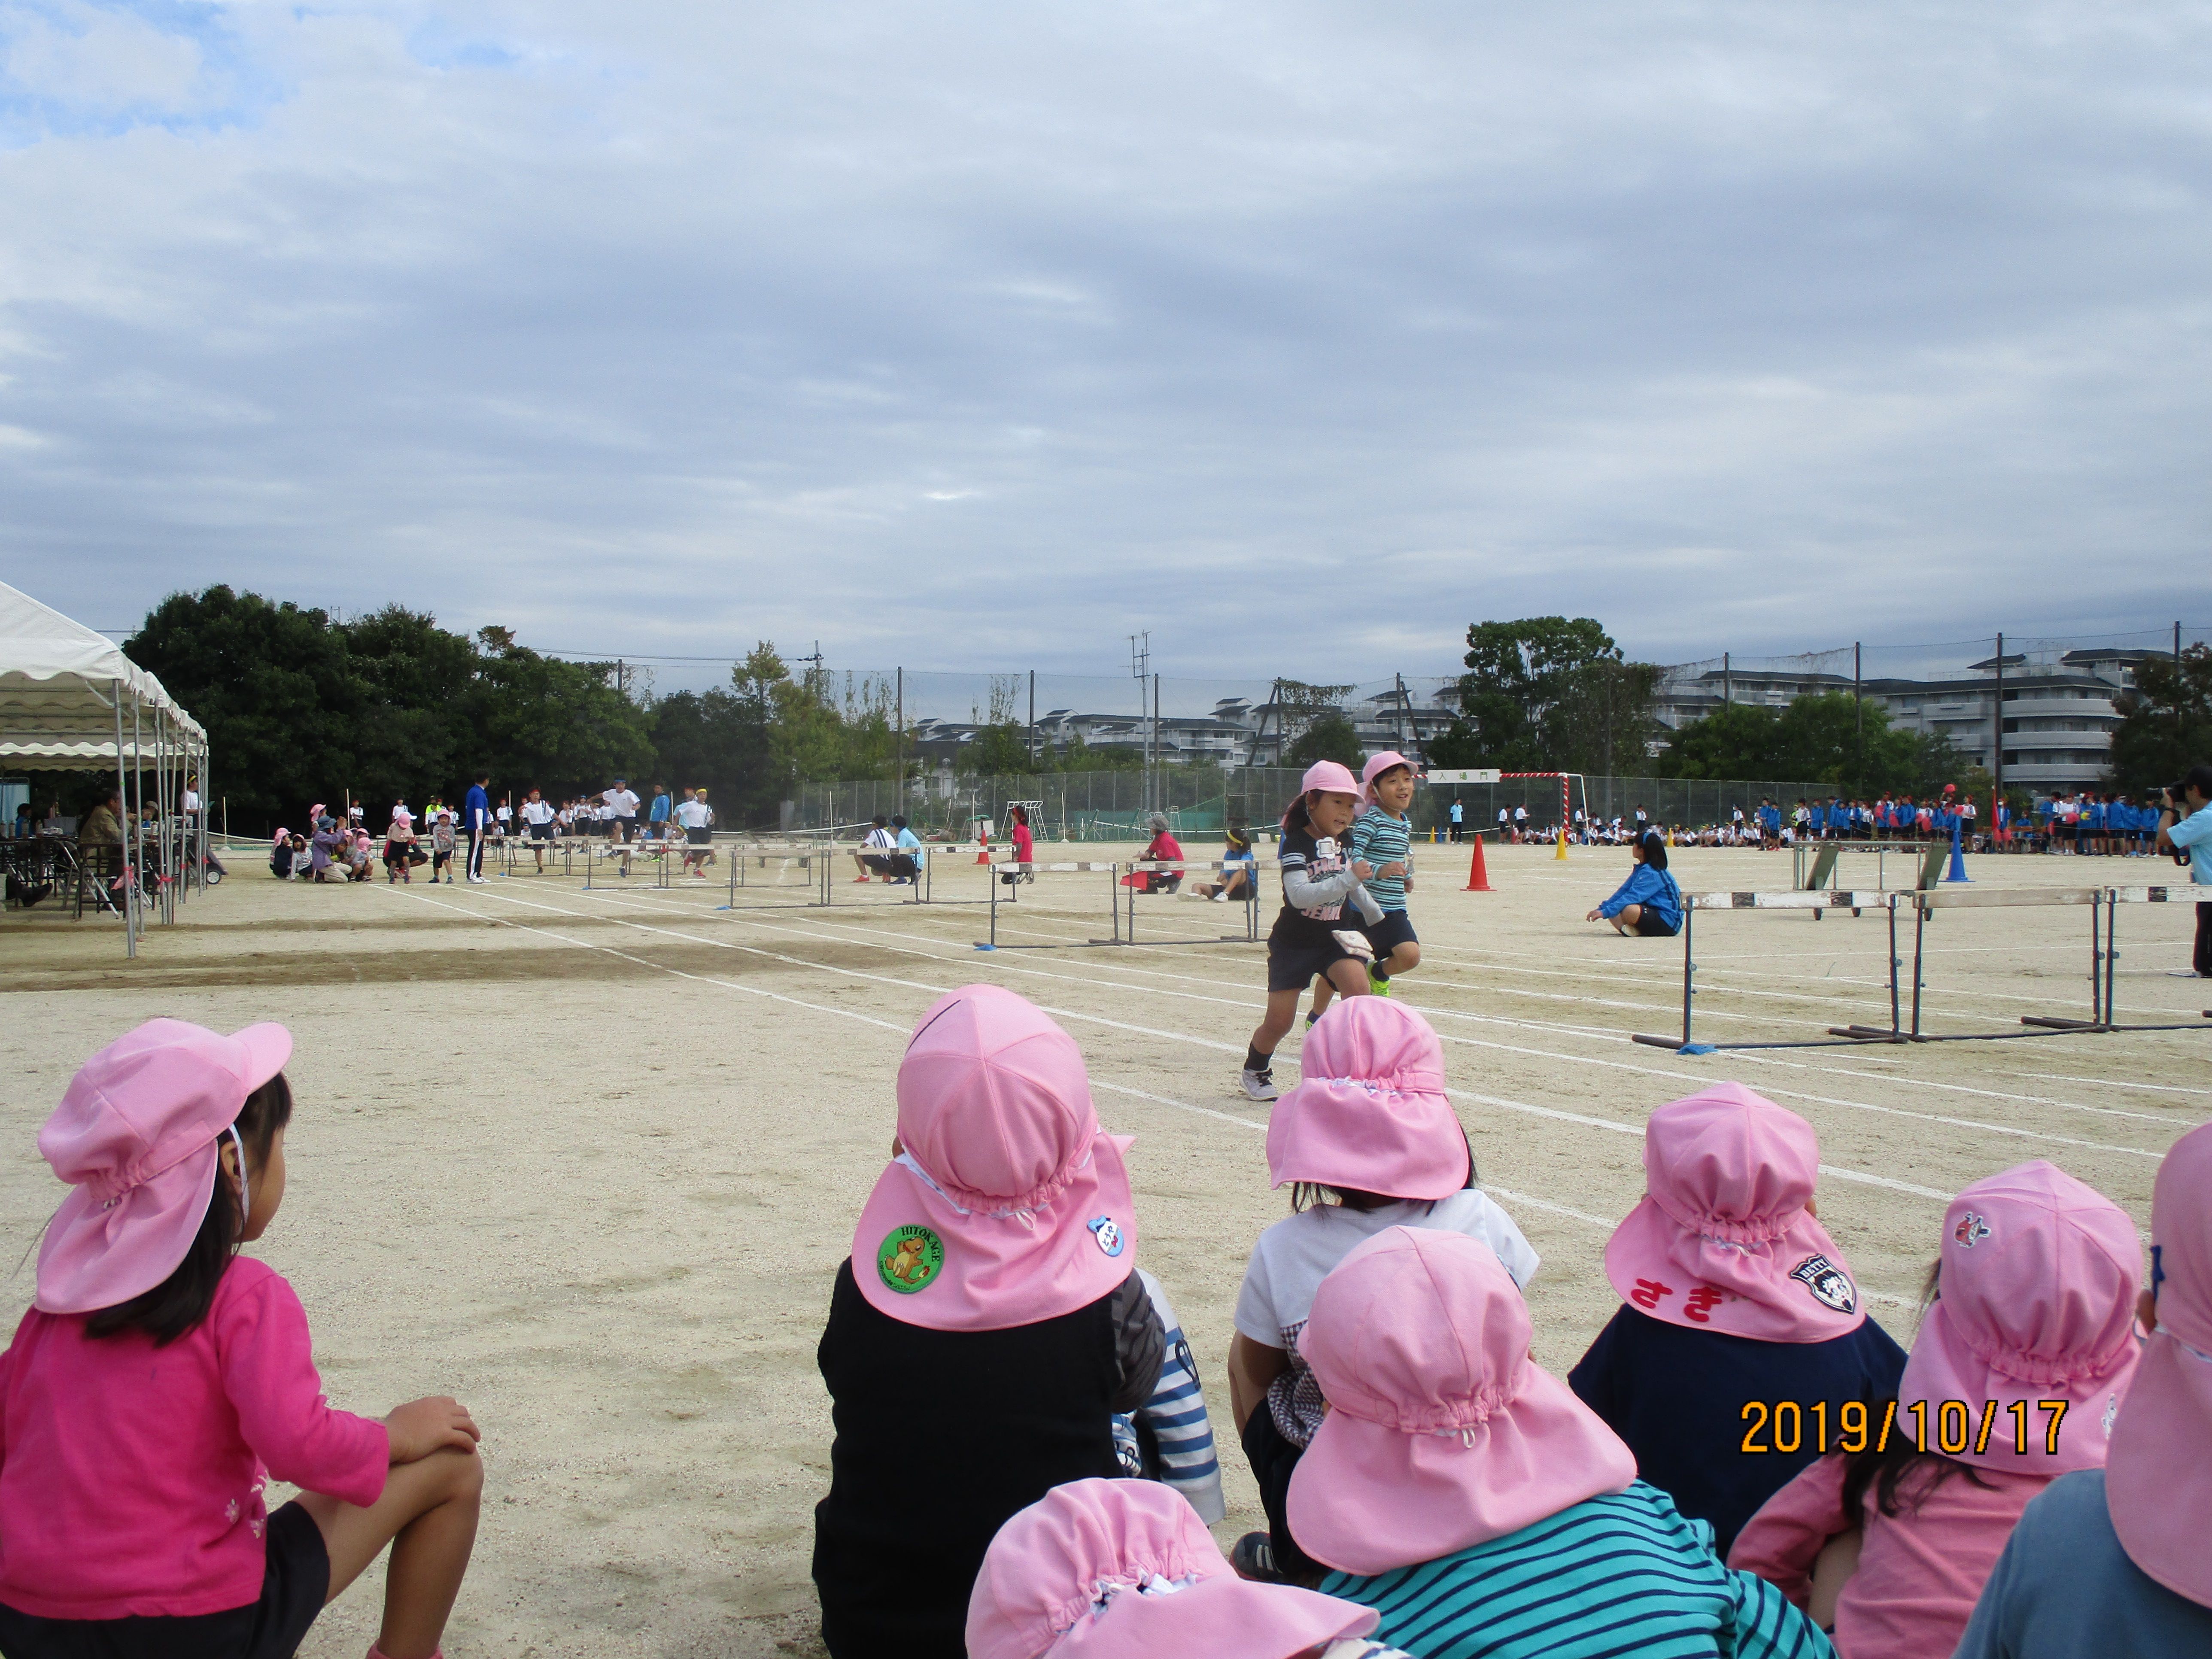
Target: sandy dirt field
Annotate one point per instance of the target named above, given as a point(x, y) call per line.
point(589, 1159)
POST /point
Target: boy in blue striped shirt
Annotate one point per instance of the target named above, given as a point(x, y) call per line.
point(1383, 836)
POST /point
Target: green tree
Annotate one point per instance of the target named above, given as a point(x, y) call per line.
point(1548, 694)
point(1823, 738)
point(717, 740)
point(2166, 722)
point(999, 750)
point(1328, 735)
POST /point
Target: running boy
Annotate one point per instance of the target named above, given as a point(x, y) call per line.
point(1383, 836)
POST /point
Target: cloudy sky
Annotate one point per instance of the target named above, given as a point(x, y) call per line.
point(980, 335)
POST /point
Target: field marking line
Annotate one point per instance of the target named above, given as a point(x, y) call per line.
point(2110, 1083)
point(1840, 1171)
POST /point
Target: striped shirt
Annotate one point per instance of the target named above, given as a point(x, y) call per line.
point(1174, 1416)
point(1381, 839)
point(1619, 1574)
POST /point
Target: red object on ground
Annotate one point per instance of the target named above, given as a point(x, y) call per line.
point(1477, 878)
point(983, 849)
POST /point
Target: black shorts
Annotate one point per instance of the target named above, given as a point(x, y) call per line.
point(293, 1582)
point(541, 832)
point(1292, 966)
point(699, 836)
point(1396, 928)
point(878, 862)
point(1649, 926)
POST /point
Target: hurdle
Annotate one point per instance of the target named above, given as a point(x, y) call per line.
point(814, 858)
point(562, 846)
point(1813, 863)
point(1114, 871)
point(2103, 904)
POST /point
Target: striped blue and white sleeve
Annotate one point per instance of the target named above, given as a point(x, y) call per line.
point(1177, 1415)
point(1768, 1625)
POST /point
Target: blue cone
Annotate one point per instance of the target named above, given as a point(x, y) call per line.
point(1958, 870)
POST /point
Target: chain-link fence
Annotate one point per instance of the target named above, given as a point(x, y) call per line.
point(1201, 800)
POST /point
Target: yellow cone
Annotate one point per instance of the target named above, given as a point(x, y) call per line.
point(1562, 853)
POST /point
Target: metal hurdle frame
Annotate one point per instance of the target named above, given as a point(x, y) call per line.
point(816, 857)
point(1813, 863)
point(512, 849)
point(2103, 903)
point(1114, 871)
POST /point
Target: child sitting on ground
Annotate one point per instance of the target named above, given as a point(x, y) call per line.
point(1649, 903)
point(994, 1268)
point(1732, 1296)
point(2113, 1560)
point(1368, 1141)
point(1486, 1513)
point(160, 1378)
point(2034, 1295)
point(1119, 1569)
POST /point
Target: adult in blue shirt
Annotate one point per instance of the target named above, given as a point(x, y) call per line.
point(1458, 818)
point(657, 816)
point(476, 817)
point(1647, 902)
point(2192, 834)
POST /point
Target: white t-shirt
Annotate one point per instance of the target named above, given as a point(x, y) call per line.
point(536, 811)
point(503, 814)
point(1294, 1255)
point(880, 838)
point(694, 814)
point(621, 804)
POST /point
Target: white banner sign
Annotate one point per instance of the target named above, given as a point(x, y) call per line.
point(1488, 776)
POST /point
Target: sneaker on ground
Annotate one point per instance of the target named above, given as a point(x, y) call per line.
point(1378, 983)
point(1260, 1086)
point(1221, 899)
point(1254, 1558)
point(2182, 972)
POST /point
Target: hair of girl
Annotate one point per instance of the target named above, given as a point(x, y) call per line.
point(1297, 816)
point(1886, 1469)
point(1304, 1194)
point(175, 1307)
point(1021, 813)
point(1652, 849)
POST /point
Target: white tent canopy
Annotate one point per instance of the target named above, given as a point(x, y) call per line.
point(59, 682)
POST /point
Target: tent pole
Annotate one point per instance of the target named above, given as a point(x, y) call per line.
point(135, 856)
point(123, 799)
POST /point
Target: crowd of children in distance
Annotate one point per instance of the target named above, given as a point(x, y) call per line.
point(1742, 1463)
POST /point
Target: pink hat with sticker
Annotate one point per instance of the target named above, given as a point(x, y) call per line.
point(2035, 1303)
point(1330, 775)
point(2158, 1470)
point(1378, 764)
point(1371, 1113)
point(135, 1137)
point(1722, 1240)
point(1442, 1432)
point(1007, 1204)
point(1125, 1570)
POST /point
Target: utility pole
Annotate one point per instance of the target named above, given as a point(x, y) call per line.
point(898, 713)
point(1033, 740)
point(1726, 685)
point(1859, 720)
point(1996, 746)
point(1141, 670)
point(814, 676)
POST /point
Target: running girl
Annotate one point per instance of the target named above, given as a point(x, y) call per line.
point(161, 1379)
point(1309, 936)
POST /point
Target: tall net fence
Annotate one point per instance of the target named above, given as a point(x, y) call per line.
point(1202, 800)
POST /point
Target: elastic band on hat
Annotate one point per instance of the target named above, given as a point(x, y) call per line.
point(245, 1201)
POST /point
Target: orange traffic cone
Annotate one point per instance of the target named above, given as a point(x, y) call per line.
point(983, 848)
point(1477, 878)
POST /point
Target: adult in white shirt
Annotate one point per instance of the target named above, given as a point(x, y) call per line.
point(877, 848)
point(697, 820)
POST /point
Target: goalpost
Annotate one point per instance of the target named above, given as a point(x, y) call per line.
point(1569, 781)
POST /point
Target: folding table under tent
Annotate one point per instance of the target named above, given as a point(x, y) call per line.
point(71, 700)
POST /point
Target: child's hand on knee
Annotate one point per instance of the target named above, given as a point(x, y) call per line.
point(430, 1424)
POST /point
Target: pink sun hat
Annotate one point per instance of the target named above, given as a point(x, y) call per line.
point(135, 1137)
point(1370, 1112)
point(2158, 1470)
point(2035, 1302)
point(1377, 765)
point(1442, 1432)
point(1125, 1570)
point(1330, 775)
point(1007, 1204)
point(1722, 1240)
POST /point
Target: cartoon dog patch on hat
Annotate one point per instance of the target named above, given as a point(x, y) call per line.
point(1830, 1284)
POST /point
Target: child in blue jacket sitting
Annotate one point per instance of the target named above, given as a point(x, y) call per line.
point(1647, 902)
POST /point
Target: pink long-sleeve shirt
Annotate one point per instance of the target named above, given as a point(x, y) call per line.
point(131, 1476)
point(1920, 1571)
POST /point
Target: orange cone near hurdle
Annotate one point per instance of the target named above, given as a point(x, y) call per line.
point(1477, 878)
point(982, 846)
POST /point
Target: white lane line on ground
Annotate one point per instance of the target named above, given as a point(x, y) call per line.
point(1684, 1076)
point(1841, 1172)
point(2109, 1083)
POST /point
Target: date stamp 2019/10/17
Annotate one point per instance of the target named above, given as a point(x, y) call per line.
point(1780, 1426)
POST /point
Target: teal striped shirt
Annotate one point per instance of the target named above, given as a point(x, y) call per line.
point(1622, 1574)
point(1380, 839)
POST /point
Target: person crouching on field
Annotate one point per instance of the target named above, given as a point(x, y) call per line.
point(1647, 902)
point(161, 1379)
point(2028, 1337)
point(987, 1326)
point(1123, 1570)
point(1734, 1302)
point(1462, 1492)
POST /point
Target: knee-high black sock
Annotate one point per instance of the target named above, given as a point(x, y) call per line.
point(1256, 1061)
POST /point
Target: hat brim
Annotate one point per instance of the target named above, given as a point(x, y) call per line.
point(2158, 1468)
point(1942, 1367)
point(1368, 1499)
point(1221, 1615)
point(1001, 1271)
point(95, 1255)
point(1758, 1296)
point(268, 1051)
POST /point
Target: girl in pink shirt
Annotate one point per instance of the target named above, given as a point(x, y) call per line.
point(2014, 1379)
point(160, 1379)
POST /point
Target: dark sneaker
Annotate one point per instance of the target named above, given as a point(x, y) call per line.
point(1254, 1558)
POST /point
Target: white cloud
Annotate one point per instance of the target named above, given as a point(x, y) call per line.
point(1733, 325)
